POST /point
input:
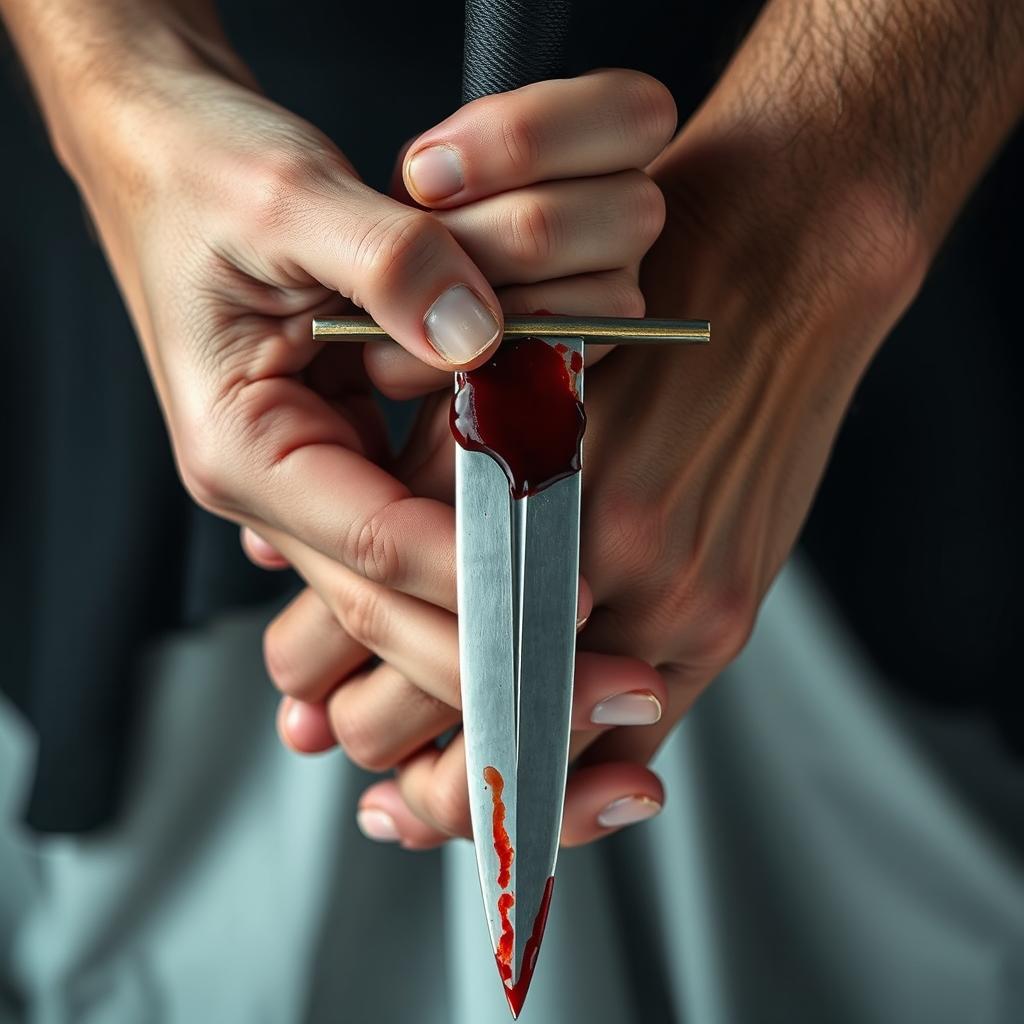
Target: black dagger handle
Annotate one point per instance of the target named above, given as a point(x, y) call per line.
point(511, 43)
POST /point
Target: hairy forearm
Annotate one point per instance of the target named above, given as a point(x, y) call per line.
point(911, 98)
point(80, 54)
point(916, 93)
point(815, 184)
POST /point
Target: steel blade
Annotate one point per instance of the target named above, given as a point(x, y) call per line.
point(518, 571)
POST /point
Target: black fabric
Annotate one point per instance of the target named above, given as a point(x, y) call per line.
point(511, 43)
point(102, 549)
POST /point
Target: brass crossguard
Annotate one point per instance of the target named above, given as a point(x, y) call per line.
point(607, 330)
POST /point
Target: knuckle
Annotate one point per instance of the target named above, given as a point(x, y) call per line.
point(650, 107)
point(356, 735)
point(447, 803)
point(633, 533)
point(722, 628)
point(279, 663)
point(521, 143)
point(439, 712)
point(623, 297)
point(204, 471)
point(647, 206)
point(532, 232)
point(399, 247)
point(272, 185)
point(362, 614)
point(371, 549)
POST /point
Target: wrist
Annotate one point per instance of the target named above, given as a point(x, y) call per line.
point(835, 262)
point(98, 74)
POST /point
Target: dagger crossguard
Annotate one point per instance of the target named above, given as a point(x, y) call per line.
point(604, 330)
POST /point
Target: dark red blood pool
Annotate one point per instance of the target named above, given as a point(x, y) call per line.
point(522, 408)
point(505, 953)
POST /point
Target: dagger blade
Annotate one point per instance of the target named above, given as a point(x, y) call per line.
point(518, 574)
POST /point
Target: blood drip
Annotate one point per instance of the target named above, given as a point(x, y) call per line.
point(502, 843)
point(522, 408)
point(516, 994)
point(507, 942)
point(505, 953)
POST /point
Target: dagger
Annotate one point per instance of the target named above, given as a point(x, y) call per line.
point(517, 516)
point(518, 421)
point(517, 563)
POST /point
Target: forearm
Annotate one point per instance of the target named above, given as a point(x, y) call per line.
point(82, 55)
point(864, 123)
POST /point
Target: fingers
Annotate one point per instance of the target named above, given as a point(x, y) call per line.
point(304, 728)
point(326, 632)
point(516, 213)
point(385, 817)
point(603, 798)
point(598, 123)
point(260, 552)
point(383, 713)
point(640, 745)
point(433, 786)
point(293, 479)
point(560, 228)
point(399, 264)
point(306, 650)
point(428, 802)
point(380, 717)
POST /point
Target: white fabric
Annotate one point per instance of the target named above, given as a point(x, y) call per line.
point(812, 864)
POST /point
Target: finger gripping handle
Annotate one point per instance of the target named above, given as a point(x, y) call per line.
point(510, 43)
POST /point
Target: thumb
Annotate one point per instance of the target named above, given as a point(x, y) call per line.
point(398, 263)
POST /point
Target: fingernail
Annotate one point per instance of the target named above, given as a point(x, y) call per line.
point(459, 325)
point(435, 173)
point(376, 824)
point(638, 707)
point(628, 810)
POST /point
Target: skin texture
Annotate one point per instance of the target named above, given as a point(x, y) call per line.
point(802, 205)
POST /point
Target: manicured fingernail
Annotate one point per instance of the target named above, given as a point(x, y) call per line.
point(581, 622)
point(376, 824)
point(459, 325)
point(435, 173)
point(638, 707)
point(628, 810)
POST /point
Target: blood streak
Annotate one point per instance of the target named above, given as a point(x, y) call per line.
point(516, 994)
point(504, 955)
point(502, 843)
point(507, 942)
point(522, 408)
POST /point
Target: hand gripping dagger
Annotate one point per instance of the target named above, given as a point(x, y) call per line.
point(517, 538)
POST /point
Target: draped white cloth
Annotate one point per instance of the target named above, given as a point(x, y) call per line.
point(813, 863)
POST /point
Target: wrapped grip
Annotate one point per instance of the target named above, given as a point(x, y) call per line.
point(510, 43)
